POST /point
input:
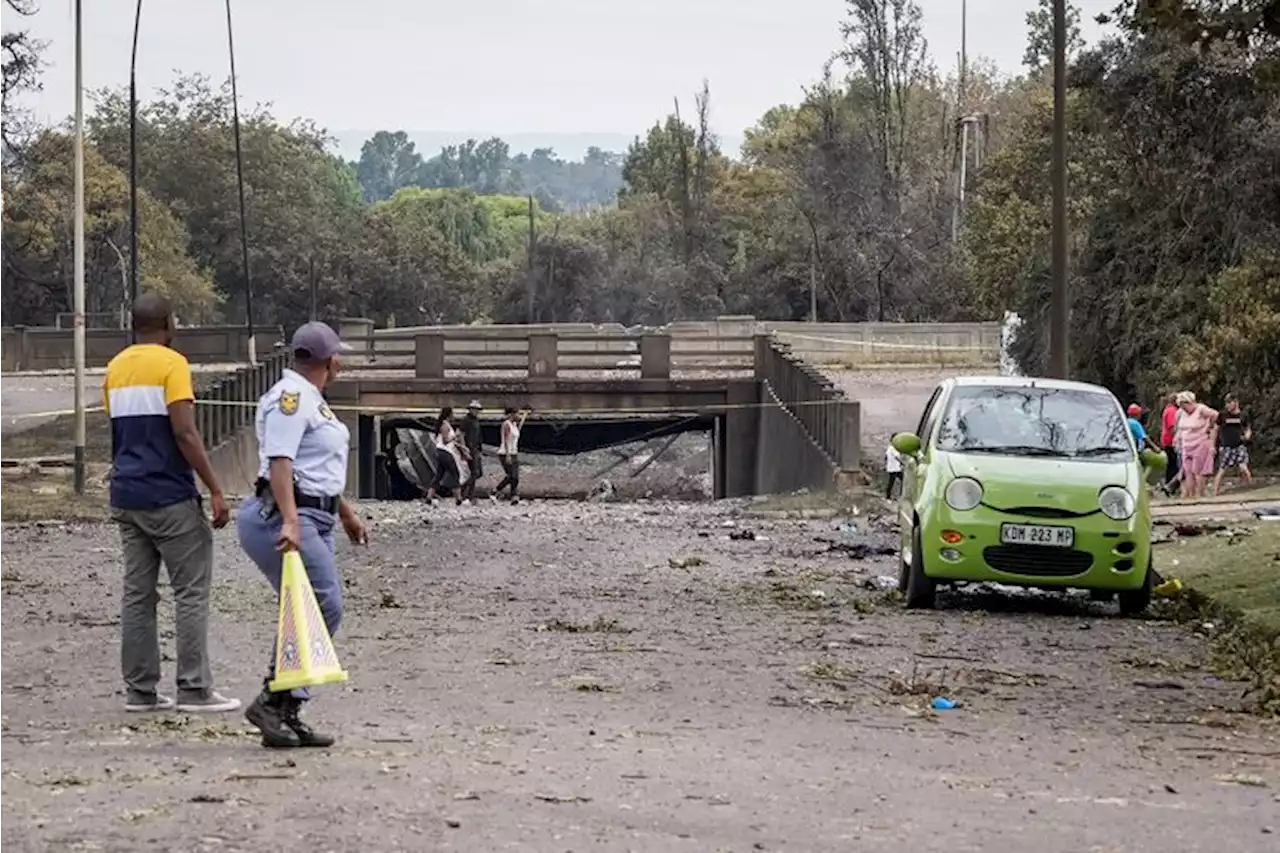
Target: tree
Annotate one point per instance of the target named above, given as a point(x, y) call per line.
point(303, 204)
point(21, 68)
point(38, 226)
point(483, 228)
point(388, 162)
point(1039, 51)
point(482, 167)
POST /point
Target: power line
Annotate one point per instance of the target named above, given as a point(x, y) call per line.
point(244, 225)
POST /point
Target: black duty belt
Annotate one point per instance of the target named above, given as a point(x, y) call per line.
point(324, 504)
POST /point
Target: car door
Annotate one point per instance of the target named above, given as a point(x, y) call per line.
point(914, 468)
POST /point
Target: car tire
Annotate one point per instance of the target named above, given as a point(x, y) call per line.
point(1135, 601)
point(921, 591)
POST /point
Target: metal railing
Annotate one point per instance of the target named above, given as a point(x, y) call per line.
point(217, 416)
point(812, 399)
point(547, 355)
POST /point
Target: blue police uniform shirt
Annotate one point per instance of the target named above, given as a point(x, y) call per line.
point(294, 422)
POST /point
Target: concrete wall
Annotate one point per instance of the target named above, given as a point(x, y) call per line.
point(820, 343)
point(47, 348)
point(787, 459)
point(235, 462)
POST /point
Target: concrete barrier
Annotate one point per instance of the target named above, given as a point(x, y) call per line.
point(849, 344)
point(48, 348)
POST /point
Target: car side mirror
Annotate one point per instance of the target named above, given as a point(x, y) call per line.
point(906, 443)
point(1153, 461)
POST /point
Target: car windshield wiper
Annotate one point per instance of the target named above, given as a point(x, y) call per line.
point(1099, 451)
point(1012, 449)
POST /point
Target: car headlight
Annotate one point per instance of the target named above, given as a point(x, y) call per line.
point(963, 493)
point(1116, 503)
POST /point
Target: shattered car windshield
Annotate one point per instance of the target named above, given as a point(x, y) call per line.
point(1026, 421)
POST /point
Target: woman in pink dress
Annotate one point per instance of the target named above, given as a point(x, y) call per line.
point(1198, 435)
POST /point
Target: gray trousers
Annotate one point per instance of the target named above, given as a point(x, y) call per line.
point(181, 537)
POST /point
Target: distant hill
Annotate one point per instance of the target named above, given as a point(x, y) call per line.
point(568, 146)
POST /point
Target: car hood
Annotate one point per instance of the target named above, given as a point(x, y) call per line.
point(1022, 481)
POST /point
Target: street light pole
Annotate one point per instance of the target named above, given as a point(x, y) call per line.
point(133, 165)
point(244, 226)
point(1059, 306)
point(78, 265)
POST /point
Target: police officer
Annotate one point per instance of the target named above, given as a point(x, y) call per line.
point(302, 468)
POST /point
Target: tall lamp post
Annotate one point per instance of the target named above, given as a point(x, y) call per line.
point(78, 459)
point(244, 226)
point(133, 166)
point(1059, 305)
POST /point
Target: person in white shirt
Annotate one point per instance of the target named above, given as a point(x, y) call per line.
point(893, 467)
point(509, 454)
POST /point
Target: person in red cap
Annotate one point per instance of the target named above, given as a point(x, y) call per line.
point(1137, 429)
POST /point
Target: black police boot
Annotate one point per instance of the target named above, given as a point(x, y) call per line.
point(267, 713)
point(306, 735)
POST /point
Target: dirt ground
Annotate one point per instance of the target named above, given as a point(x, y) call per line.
point(616, 677)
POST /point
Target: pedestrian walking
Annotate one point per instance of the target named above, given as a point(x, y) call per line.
point(445, 477)
point(509, 454)
point(474, 443)
point(1198, 433)
point(302, 470)
point(1168, 433)
point(155, 445)
point(893, 467)
point(1234, 436)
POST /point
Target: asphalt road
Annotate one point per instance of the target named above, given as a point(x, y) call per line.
point(566, 676)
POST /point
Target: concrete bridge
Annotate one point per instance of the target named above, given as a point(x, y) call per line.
point(776, 423)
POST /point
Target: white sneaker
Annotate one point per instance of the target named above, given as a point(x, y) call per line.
point(159, 703)
point(493, 499)
point(467, 502)
point(210, 703)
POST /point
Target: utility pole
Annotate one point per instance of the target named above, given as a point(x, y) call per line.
point(244, 225)
point(957, 201)
point(533, 240)
point(964, 56)
point(313, 287)
point(1059, 352)
point(133, 167)
point(78, 262)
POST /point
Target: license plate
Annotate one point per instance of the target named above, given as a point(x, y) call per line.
point(1037, 534)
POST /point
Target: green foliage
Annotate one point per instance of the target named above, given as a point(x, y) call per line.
point(38, 225)
point(1038, 55)
point(483, 228)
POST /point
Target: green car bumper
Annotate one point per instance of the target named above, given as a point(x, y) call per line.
point(1104, 554)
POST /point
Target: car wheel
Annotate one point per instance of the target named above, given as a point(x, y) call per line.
point(1133, 602)
point(921, 591)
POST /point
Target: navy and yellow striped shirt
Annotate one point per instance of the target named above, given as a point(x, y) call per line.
point(148, 470)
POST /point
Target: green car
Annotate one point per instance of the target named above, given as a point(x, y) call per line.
point(1029, 482)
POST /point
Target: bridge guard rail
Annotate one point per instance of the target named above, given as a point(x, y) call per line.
point(817, 414)
point(219, 423)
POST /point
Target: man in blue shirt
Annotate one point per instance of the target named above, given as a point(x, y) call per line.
point(1138, 431)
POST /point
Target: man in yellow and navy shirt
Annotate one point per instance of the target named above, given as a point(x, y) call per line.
point(154, 447)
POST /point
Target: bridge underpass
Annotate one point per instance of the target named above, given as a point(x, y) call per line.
point(566, 435)
point(777, 424)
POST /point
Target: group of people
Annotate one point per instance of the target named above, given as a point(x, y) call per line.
point(297, 504)
point(459, 455)
point(1197, 441)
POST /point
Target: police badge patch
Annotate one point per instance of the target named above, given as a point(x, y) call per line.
point(289, 402)
point(326, 412)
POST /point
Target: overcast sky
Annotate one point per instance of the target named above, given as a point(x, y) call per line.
point(531, 66)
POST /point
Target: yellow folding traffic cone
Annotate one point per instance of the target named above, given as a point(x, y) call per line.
point(304, 649)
